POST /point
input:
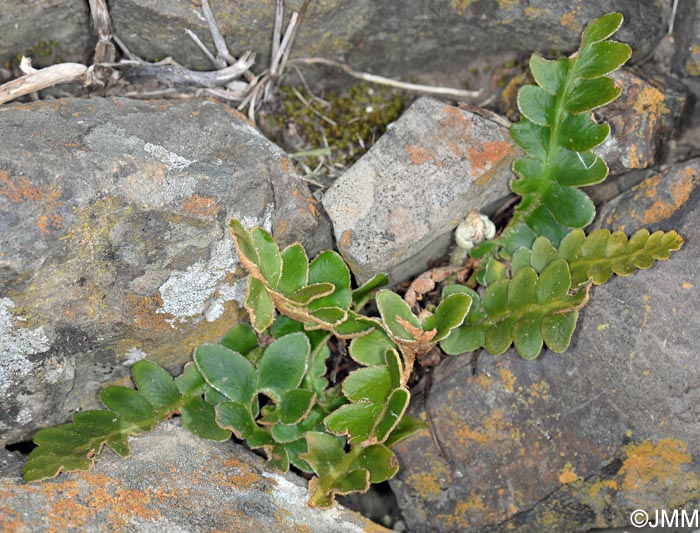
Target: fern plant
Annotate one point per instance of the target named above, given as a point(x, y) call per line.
point(276, 396)
point(537, 274)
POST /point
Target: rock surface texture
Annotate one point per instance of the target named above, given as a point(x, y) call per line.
point(432, 37)
point(172, 482)
point(687, 60)
point(395, 209)
point(363, 32)
point(113, 241)
point(652, 201)
point(578, 440)
point(642, 120)
point(48, 31)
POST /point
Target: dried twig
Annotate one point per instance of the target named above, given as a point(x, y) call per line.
point(286, 51)
point(427, 89)
point(171, 72)
point(218, 63)
point(312, 109)
point(36, 80)
point(104, 50)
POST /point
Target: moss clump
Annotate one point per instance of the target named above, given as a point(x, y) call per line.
point(43, 53)
point(348, 121)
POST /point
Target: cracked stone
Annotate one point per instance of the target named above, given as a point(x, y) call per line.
point(113, 217)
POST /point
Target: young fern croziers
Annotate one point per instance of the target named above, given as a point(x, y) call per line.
point(534, 277)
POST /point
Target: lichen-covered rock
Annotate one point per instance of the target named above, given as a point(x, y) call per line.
point(653, 200)
point(431, 36)
point(394, 210)
point(172, 482)
point(645, 117)
point(573, 441)
point(48, 31)
point(113, 241)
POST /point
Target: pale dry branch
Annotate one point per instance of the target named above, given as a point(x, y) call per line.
point(214, 61)
point(168, 71)
point(288, 49)
point(312, 109)
point(104, 51)
point(36, 80)
point(275, 65)
point(373, 78)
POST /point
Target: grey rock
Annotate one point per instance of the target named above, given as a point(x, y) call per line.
point(431, 37)
point(113, 241)
point(573, 441)
point(653, 200)
point(10, 463)
point(687, 34)
point(394, 210)
point(642, 120)
point(172, 482)
point(48, 31)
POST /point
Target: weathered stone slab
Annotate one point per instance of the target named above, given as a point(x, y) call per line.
point(653, 200)
point(49, 31)
point(642, 119)
point(431, 37)
point(394, 210)
point(172, 482)
point(573, 441)
point(113, 241)
point(687, 33)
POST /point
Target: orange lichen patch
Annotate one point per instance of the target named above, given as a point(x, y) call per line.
point(647, 101)
point(455, 120)
point(199, 206)
point(461, 6)
point(489, 154)
point(682, 189)
point(648, 187)
point(567, 475)
point(312, 204)
point(567, 19)
point(142, 312)
point(465, 435)
point(539, 391)
point(648, 462)
point(18, 189)
point(464, 513)
point(602, 485)
point(508, 379)
point(238, 474)
point(493, 429)
point(687, 285)
point(507, 5)
point(74, 504)
point(345, 238)
point(482, 380)
point(418, 155)
point(428, 484)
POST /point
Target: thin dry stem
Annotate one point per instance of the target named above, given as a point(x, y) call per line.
point(373, 78)
point(36, 80)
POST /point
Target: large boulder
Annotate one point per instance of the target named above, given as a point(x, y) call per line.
point(421, 37)
point(172, 482)
point(48, 31)
point(113, 241)
point(574, 441)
